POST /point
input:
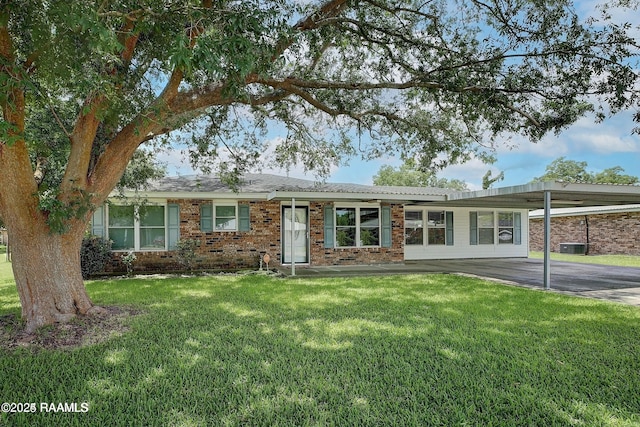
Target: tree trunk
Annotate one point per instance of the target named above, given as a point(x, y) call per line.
point(46, 267)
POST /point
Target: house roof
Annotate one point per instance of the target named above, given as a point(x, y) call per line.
point(590, 210)
point(274, 187)
point(280, 187)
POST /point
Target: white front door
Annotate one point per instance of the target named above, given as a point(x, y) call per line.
point(296, 231)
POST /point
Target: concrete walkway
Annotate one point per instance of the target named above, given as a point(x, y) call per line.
point(619, 284)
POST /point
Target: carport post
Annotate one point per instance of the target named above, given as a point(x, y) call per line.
point(293, 244)
point(547, 240)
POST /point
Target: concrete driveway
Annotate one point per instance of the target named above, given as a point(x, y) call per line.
point(620, 284)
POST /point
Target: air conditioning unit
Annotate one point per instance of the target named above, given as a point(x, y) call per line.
point(573, 248)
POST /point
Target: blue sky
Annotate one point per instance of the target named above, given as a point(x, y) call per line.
point(601, 145)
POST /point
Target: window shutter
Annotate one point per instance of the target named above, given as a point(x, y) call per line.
point(244, 220)
point(517, 228)
point(448, 220)
point(206, 217)
point(329, 238)
point(98, 223)
point(473, 226)
point(173, 229)
point(386, 227)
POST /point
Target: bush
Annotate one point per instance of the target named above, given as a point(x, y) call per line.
point(94, 255)
point(186, 253)
point(128, 259)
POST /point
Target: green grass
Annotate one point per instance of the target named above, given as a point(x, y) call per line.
point(406, 350)
point(617, 260)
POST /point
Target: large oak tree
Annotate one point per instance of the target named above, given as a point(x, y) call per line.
point(432, 80)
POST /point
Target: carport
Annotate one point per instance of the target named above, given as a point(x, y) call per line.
point(545, 195)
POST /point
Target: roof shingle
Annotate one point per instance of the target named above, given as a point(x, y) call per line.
point(266, 183)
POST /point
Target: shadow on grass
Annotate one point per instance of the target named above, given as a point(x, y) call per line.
point(411, 350)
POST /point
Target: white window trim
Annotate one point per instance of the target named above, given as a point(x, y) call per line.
point(357, 207)
point(136, 229)
point(424, 242)
point(513, 228)
point(496, 228)
point(493, 227)
point(236, 219)
point(426, 227)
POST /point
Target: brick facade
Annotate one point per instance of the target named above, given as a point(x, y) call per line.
point(230, 250)
point(610, 233)
point(355, 256)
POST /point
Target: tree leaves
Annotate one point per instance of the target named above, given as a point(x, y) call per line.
point(576, 171)
point(437, 81)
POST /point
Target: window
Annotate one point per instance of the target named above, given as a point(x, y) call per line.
point(505, 228)
point(121, 227)
point(152, 227)
point(357, 227)
point(346, 227)
point(369, 227)
point(485, 228)
point(413, 228)
point(436, 230)
point(142, 228)
point(225, 218)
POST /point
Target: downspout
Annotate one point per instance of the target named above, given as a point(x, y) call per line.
point(586, 224)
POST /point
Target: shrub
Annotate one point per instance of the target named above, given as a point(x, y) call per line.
point(128, 259)
point(94, 255)
point(186, 252)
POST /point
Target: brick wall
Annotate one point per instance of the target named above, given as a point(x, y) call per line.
point(614, 233)
point(219, 250)
point(354, 256)
point(239, 250)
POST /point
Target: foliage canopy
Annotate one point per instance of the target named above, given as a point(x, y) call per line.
point(576, 171)
point(435, 81)
point(408, 175)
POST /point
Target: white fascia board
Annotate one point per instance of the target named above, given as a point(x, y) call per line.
point(195, 195)
point(502, 191)
point(581, 211)
point(342, 196)
point(546, 186)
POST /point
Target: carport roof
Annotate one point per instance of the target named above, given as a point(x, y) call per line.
point(563, 194)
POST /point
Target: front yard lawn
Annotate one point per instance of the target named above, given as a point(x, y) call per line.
point(616, 260)
point(406, 350)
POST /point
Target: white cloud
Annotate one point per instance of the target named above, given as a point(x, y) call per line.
point(177, 163)
point(471, 172)
point(551, 146)
point(608, 143)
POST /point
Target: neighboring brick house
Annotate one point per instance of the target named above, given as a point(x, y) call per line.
point(321, 224)
point(604, 229)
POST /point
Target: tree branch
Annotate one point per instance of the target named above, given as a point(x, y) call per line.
point(327, 10)
point(16, 171)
